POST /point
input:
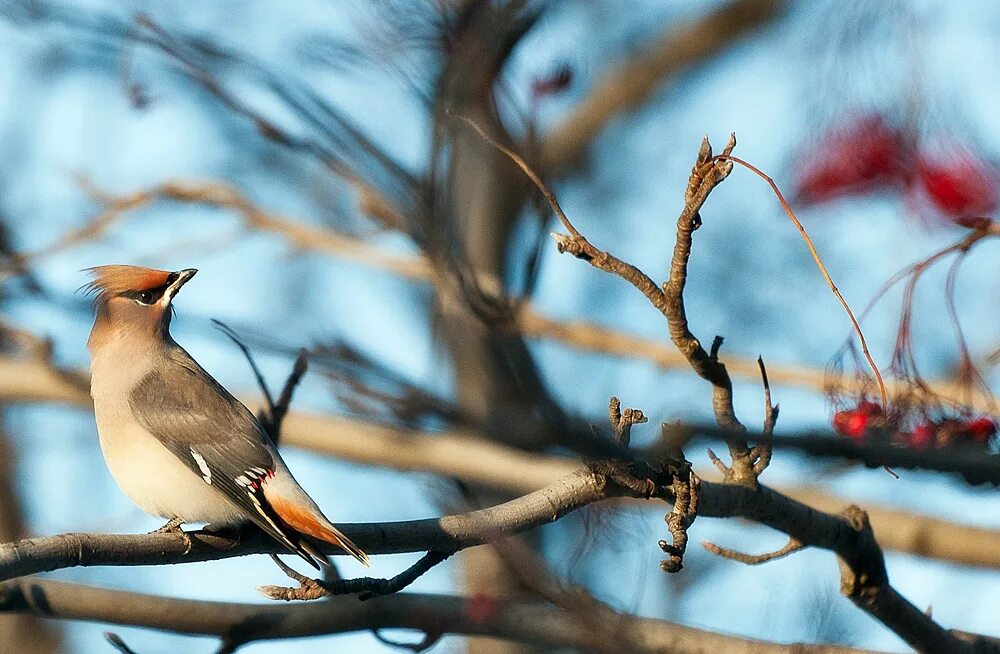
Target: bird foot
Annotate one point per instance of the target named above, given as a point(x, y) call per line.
point(234, 532)
point(173, 526)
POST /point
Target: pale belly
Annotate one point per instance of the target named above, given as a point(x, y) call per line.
point(157, 481)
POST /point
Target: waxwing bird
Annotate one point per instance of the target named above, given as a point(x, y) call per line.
point(177, 442)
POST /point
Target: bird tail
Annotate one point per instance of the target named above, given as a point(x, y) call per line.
point(315, 525)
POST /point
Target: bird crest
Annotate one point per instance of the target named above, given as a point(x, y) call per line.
point(109, 281)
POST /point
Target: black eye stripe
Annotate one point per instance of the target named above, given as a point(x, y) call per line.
point(147, 296)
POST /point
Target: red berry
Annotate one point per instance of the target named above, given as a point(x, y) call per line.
point(959, 184)
point(980, 429)
point(481, 607)
point(923, 435)
point(852, 423)
point(860, 156)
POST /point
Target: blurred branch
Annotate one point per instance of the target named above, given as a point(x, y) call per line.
point(630, 86)
point(528, 319)
point(522, 620)
point(296, 233)
point(462, 454)
point(18, 634)
point(596, 338)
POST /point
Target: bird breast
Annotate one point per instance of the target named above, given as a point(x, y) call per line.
point(145, 470)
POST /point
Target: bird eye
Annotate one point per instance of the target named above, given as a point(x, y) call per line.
point(145, 298)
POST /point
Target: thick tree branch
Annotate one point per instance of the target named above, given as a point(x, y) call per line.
point(522, 621)
point(449, 533)
point(849, 535)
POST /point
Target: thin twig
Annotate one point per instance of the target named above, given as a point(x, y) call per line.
point(429, 640)
point(819, 264)
point(763, 450)
point(622, 420)
point(117, 642)
point(281, 407)
point(522, 164)
point(364, 587)
point(791, 546)
point(261, 384)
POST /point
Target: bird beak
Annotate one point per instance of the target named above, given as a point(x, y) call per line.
point(183, 276)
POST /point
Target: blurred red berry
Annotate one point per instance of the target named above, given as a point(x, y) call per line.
point(851, 423)
point(922, 436)
point(860, 156)
point(960, 185)
point(481, 607)
point(855, 422)
point(980, 429)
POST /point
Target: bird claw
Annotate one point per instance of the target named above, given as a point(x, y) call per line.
point(173, 526)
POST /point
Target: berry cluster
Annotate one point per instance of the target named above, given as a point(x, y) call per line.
point(869, 153)
point(867, 420)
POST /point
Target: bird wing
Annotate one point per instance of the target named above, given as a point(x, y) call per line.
point(215, 436)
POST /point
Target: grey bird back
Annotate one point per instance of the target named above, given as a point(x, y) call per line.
point(211, 432)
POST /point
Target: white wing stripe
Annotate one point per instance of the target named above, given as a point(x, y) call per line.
point(206, 472)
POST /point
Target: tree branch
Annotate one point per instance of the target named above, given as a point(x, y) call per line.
point(461, 454)
point(863, 575)
point(523, 621)
point(449, 533)
point(849, 535)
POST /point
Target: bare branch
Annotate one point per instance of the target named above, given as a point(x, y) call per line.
point(622, 421)
point(365, 587)
point(687, 494)
point(261, 384)
point(705, 176)
point(519, 621)
point(763, 450)
point(849, 535)
point(450, 533)
point(116, 641)
point(753, 559)
point(285, 398)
